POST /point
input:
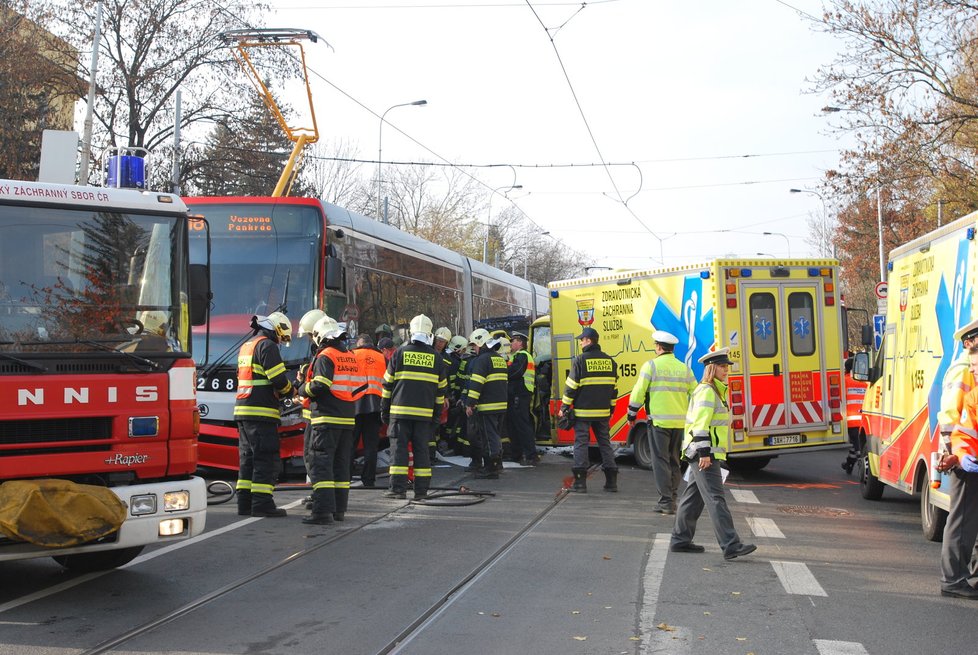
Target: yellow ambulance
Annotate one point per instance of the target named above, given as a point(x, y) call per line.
point(929, 296)
point(782, 320)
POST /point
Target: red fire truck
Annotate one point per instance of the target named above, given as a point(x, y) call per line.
point(97, 386)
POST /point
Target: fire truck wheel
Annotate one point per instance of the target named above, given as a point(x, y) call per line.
point(748, 464)
point(642, 446)
point(932, 518)
point(88, 562)
point(869, 485)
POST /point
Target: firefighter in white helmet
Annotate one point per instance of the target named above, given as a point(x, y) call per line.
point(262, 380)
point(333, 386)
point(485, 404)
point(442, 336)
point(455, 427)
point(411, 404)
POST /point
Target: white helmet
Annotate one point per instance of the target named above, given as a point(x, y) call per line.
point(457, 344)
point(444, 334)
point(276, 322)
point(154, 321)
point(309, 320)
point(327, 328)
point(479, 337)
point(420, 324)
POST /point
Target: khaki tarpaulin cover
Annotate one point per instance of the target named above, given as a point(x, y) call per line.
point(58, 513)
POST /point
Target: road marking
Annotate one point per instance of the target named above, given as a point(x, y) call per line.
point(654, 639)
point(744, 496)
point(797, 579)
point(829, 647)
point(764, 527)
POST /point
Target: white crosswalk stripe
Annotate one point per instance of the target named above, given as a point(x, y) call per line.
point(829, 647)
point(744, 496)
point(797, 579)
point(764, 527)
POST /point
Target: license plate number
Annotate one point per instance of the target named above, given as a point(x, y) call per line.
point(784, 440)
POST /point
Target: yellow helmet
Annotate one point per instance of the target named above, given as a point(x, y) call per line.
point(309, 320)
point(479, 337)
point(444, 334)
point(282, 326)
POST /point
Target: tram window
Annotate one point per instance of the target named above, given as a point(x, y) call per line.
point(764, 325)
point(801, 313)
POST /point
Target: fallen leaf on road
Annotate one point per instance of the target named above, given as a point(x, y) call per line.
point(575, 611)
point(665, 627)
point(605, 557)
point(741, 638)
point(581, 638)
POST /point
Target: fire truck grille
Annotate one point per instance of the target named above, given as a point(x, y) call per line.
point(55, 431)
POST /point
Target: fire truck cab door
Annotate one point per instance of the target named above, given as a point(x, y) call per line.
point(783, 364)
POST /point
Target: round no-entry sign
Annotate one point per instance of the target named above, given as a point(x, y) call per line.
point(881, 288)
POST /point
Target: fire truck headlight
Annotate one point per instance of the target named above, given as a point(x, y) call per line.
point(142, 505)
point(176, 501)
point(172, 527)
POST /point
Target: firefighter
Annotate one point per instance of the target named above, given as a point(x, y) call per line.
point(855, 394)
point(457, 351)
point(707, 422)
point(372, 366)
point(306, 325)
point(522, 382)
point(590, 392)
point(485, 404)
point(334, 384)
point(411, 405)
point(664, 386)
point(442, 336)
point(961, 529)
point(262, 380)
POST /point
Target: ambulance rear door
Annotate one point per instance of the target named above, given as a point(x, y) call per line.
point(784, 379)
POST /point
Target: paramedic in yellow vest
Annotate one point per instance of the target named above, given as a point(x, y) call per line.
point(335, 383)
point(958, 381)
point(522, 376)
point(664, 386)
point(707, 422)
point(262, 380)
point(590, 390)
point(414, 394)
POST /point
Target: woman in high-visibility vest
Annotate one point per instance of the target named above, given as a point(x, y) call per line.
point(707, 421)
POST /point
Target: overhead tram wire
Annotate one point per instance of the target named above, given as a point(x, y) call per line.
point(391, 125)
point(580, 109)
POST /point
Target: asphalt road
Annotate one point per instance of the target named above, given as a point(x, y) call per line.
point(530, 570)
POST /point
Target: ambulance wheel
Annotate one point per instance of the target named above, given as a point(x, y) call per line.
point(869, 485)
point(88, 562)
point(748, 463)
point(932, 517)
point(642, 446)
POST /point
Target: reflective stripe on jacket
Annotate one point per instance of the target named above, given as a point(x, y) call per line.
point(372, 368)
point(522, 372)
point(664, 386)
point(335, 377)
point(590, 385)
point(414, 383)
point(261, 377)
point(708, 420)
point(964, 437)
point(488, 383)
point(958, 381)
point(855, 394)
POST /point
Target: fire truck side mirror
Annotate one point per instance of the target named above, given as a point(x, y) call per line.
point(200, 293)
point(866, 336)
point(860, 367)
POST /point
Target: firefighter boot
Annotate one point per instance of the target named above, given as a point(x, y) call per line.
point(244, 502)
point(580, 481)
point(474, 465)
point(321, 508)
point(263, 505)
point(611, 479)
point(489, 471)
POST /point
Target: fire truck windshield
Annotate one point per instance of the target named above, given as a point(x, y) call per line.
point(70, 278)
point(258, 252)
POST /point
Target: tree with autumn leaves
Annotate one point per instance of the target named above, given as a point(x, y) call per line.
point(905, 85)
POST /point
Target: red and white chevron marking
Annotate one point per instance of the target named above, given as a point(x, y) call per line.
point(763, 416)
point(809, 412)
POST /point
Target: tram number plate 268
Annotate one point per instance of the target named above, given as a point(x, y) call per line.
point(218, 382)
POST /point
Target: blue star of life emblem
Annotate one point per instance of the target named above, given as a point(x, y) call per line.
point(802, 327)
point(763, 329)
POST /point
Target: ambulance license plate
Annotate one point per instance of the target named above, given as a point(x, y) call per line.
point(784, 440)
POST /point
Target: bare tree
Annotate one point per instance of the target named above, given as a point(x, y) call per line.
point(150, 49)
point(330, 173)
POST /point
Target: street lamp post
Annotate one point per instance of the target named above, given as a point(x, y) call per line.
point(826, 240)
point(779, 234)
point(380, 149)
point(485, 243)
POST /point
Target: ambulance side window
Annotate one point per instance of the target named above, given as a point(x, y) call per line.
point(764, 333)
point(801, 313)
